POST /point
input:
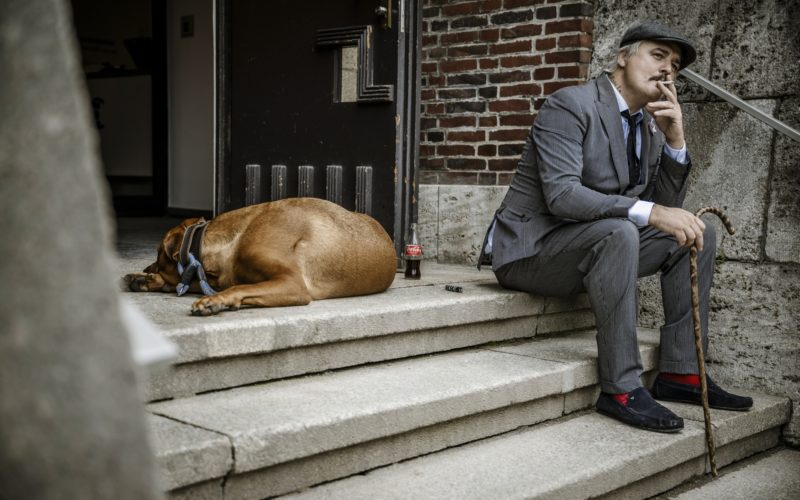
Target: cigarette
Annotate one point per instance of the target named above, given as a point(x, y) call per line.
point(454, 288)
point(667, 82)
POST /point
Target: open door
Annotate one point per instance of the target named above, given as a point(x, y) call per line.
point(319, 99)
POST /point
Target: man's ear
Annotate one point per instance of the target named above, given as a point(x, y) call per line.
point(622, 59)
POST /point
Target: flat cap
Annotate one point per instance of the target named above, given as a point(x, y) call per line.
point(651, 30)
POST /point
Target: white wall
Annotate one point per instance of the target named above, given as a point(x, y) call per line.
point(190, 76)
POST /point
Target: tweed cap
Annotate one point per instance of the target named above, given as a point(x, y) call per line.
point(651, 30)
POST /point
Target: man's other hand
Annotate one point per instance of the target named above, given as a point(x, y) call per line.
point(684, 226)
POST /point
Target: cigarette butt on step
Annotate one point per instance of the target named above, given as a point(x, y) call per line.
point(454, 288)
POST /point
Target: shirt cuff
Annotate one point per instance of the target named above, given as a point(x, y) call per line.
point(679, 155)
point(639, 213)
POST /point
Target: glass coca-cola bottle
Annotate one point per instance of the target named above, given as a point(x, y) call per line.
point(413, 254)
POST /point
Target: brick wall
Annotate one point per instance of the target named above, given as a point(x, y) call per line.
point(487, 66)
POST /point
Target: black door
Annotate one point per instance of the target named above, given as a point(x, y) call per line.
point(319, 99)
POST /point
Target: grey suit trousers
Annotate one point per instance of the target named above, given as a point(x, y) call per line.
point(604, 258)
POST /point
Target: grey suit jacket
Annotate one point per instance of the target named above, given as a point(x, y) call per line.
point(574, 168)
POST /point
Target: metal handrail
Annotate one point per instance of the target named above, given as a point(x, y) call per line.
point(739, 103)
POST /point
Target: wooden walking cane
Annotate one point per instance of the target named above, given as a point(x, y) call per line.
point(698, 336)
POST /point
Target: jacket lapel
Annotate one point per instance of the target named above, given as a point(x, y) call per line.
point(612, 123)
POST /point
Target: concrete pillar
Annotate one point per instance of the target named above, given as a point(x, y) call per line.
point(71, 422)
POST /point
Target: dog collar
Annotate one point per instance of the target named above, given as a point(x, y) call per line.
point(188, 264)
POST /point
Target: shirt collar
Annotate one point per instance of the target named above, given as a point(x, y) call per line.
point(623, 106)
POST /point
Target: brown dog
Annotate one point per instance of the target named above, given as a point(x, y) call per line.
point(283, 253)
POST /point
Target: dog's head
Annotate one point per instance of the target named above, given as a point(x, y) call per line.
point(166, 263)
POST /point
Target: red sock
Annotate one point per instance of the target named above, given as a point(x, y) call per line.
point(687, 379)
point(621, 398)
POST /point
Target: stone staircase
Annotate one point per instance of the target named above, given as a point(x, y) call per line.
point(414, 393)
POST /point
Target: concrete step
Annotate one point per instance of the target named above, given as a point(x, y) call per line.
point(278, 437)
point(411, 318)
point(583, 456)
point(773, 475)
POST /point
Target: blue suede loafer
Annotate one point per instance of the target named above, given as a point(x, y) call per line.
point(718, 398)
point(642, 412)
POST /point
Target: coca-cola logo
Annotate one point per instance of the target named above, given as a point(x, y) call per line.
point(413, 250)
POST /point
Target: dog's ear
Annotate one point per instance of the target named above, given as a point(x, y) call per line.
point(172, 243)
point(194, 220)
point(152, 268)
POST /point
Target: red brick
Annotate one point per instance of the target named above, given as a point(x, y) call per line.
point(431, 163)
point(545, 43)
point(568, 56)
point(514, 134)
point(455, 150)
point(468, 50)
point(525, 120)
point(573, 71)
point(466, 136)
point(488, 63)
point(524, 89)
point(551, 87)
point(427, 94)
point(516, 61)
point(511, 4)
point(527, 30)
point(510, 105)
point(436, 80)
point(426, 150)
point(428, 67)
point(490, 35)
point(487, 121)
point(544, 73)
point(460, 93)
point(491, 5)
point(457, 121)
point(430, 40)
point(461, 9)
point(502, 179)
point(487, 150)
point(506, 164)
point(458, 66)
point(511, 149)
point(460, 37)
point(510, 76)
point(487, 178)
point(466, 164)
point(434, 109)
point(582, 25)
point(506, 48)
point(569, 41)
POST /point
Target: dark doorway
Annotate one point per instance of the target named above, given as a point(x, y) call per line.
point(319, 100)
point(123, 51)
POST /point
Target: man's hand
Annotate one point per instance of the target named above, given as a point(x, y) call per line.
point(684, 226)
point(668, 115)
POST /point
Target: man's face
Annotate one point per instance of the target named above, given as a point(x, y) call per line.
point(652, 62)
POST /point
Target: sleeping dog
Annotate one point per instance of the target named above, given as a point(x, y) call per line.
point(282, 253)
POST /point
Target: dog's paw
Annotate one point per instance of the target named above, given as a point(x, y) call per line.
point(209, 305)
point(136, 282)
point(142, 282)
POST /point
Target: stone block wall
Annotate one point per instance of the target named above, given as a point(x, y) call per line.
point(487, 65)
point(741, 165)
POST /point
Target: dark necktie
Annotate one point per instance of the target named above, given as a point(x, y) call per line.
point(634, 170)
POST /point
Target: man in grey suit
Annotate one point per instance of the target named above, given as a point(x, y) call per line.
point(595, 204)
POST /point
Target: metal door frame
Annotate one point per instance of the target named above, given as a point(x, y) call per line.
point(407, 95)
